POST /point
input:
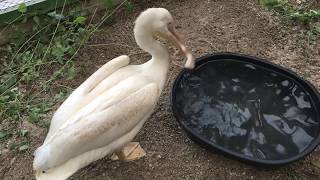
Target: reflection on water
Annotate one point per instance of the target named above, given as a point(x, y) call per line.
point(247, 109)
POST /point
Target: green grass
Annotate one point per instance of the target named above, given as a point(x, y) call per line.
point(31, 65)
point(301, 13)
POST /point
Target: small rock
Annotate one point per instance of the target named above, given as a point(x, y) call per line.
point(12, 160)
point(195, 155)
point(4, 152)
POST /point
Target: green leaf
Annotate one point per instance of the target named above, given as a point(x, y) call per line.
point(270, 3)
point(4, 98)
point(7, 81)
point(129, 6)
point(317, 29)
point(80, 20)
point(34, 114)
point(24, 132)
point(71, 72)
point(3, 134)
point(56, 74)
point(108, 3)
point(60, 49)
point(24, 147)
point(22, 8)
point(12, 146)
point(56, 15)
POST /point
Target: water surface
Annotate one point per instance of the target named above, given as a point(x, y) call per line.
point(247, 109)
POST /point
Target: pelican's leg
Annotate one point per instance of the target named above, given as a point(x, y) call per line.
point(130, 152)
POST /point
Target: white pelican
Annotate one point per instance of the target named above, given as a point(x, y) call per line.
point(105, 112)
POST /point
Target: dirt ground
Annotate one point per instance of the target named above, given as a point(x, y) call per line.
point(208, 26)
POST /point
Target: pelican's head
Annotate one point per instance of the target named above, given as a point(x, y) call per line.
point(159, 22)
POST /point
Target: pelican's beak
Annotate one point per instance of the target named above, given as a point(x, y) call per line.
point(176, 40)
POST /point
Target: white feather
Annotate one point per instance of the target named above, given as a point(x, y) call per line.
point(107, 110)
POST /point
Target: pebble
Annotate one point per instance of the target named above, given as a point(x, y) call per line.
point(12, 160)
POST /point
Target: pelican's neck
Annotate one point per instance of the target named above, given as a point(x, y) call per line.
point(159, 53)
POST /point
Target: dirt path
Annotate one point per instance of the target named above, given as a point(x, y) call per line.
point(208, 26)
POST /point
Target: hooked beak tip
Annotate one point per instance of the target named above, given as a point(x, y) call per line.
point(175, 38)
point(189, 66)
point(190, 63)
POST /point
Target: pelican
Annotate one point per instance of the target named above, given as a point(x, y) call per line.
point(106, 111)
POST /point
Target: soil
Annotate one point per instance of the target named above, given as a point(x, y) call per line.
point(208, 26)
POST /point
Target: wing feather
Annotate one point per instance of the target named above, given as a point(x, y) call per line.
point(71, 104)
point(98, 129)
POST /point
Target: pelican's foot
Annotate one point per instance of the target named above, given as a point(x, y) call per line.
point(132, 151)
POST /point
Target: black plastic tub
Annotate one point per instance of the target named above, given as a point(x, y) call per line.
point(248, 108)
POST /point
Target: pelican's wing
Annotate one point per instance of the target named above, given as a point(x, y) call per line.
point(72, 103)
point(98, 129)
